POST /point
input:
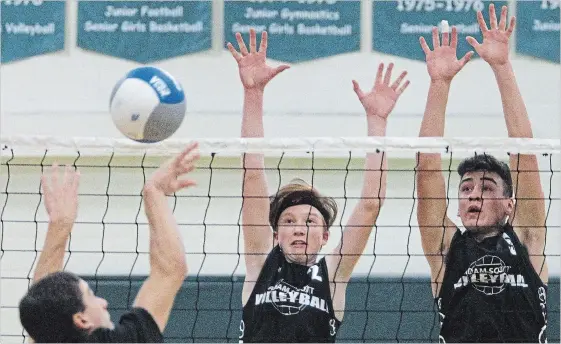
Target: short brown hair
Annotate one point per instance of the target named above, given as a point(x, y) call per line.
point(299, 192)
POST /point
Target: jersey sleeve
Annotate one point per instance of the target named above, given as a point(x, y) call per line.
point(136, 326)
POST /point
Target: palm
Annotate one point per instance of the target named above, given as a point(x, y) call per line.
point(381, 100)
point(252, 63)
point(494, 49)
point(442, 63)
point(254, 71)
point(167, 177)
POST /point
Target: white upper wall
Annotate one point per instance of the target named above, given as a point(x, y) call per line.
point(67, 94)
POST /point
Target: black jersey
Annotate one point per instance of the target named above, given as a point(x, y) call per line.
point(490, 292)
point(289, 303)
point(136, 326)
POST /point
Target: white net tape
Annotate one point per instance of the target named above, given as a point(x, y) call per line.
point(110, 237)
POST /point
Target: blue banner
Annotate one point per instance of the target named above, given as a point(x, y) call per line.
point(537, 29)
point(145, 31)
point(298, 30)
point(397, 25)
point(31, 28)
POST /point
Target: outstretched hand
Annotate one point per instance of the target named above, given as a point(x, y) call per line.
point(254, 71)
point(494, 49)
point(167, 178)
point(442, 62)
point(61, 196)
point(381, 100)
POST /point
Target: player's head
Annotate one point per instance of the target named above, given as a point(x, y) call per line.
point(485, 193)
point(301, 219)
point(61, 307)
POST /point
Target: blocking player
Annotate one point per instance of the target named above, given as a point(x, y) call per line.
point(60, 307)
point(288, 294)
point(489, 280)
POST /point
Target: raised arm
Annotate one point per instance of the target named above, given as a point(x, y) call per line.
point(61, 202)
point(378, 104)
point(254, 74)
point(168, 267)
point(435, 226)
point(529, 216)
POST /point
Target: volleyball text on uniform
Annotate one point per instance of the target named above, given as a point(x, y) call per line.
point(288, 294)
point(489, 279)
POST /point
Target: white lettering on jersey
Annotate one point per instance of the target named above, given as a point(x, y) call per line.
point(289, 300)
point(490, 275)
point(542, 339)
point(332, 328)
point(510, 244)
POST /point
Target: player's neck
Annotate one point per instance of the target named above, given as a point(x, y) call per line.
point(481, 234)
point(309, 260)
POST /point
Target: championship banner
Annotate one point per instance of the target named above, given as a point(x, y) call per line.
point(31, 28)
point(145, 31)
point(397, 25)
point(298, 30)
point(537, 29)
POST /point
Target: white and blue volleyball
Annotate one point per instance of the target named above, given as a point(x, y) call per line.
point(147, 105)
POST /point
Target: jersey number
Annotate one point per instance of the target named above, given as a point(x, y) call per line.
point(314, 269)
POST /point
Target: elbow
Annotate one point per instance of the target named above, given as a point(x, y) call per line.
point(174, 271)
point(372, 205)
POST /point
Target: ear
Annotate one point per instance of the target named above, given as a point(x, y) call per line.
point(510, 206)
point(325, 237)
point(82, 322)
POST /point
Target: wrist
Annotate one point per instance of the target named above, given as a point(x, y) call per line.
point(254, 92)
point(376, 125)
point(441, 82)
point(151, 189)
point(502, 68)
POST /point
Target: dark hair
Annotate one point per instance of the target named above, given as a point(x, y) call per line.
point(299, 192)
point(46, 311)
point(488, 163)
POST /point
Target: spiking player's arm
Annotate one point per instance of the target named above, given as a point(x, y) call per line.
point(168, 266)
point(529, 216)
point(436, 228)
point(61, 202)
point(254, 75)
point(378, 104)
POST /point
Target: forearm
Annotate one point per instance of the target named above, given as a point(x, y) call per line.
point(167, 254)
point(52, 257)
point(252, 126)
point(433, 122)
point(435, 110)
point(516, 116)
point(374, 185)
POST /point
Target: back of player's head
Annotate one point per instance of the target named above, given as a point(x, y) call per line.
point(488, 163)
point(46, 311)
point(299, 192)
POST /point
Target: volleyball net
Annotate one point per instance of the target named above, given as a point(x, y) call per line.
point(388, 298)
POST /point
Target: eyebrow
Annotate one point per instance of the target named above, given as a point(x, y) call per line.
point(469, 179)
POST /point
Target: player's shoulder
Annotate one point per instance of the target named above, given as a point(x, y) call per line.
point(136, 325)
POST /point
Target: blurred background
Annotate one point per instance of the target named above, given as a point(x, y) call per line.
point(61, 59)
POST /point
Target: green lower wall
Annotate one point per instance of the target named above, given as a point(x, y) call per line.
point(207, 309)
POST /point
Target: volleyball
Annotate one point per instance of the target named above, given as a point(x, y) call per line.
point(147, 104)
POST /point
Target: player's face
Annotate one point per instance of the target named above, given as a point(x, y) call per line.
point(301, 233)
point(482, 203)
point(95, 315)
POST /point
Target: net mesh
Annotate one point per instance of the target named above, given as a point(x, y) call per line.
point(388, 298)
